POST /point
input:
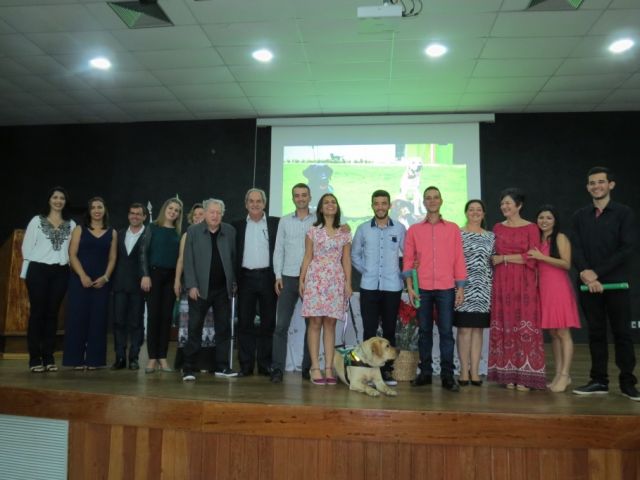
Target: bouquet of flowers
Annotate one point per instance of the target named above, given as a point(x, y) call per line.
point(407, 326)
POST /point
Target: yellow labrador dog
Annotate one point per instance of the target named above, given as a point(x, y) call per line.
point(360, 367)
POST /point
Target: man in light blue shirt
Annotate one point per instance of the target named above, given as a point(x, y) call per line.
point(287, 259)
point(375, 253)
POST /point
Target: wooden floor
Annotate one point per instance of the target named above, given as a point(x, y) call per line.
point(490, 398)
point(127, 424)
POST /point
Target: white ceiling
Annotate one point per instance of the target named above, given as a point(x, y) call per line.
point(327, 62)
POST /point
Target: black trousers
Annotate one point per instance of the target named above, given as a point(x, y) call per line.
point(219, 300)
point(614, 306)
point(379, 307)
point(256, 288)
point(160, 301)
point(128, 323)
point(46, 285)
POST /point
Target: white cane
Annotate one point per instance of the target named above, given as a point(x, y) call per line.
point(233, 314)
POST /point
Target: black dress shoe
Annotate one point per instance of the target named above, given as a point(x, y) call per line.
point(276, 375)
point(450, 384)
point(421, 379)
point(119, 364)
point(245, 373)
point(134, 365)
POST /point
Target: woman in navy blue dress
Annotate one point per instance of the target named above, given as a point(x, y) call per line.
point(92, 254)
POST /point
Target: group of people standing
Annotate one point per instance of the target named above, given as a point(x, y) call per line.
point(513, 280)
point(532, 291)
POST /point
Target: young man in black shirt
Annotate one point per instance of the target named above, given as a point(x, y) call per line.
point(603, 240)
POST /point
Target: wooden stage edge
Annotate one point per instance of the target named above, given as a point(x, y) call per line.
point(549, 431)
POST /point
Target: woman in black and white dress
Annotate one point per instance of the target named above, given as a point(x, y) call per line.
point(472, 317)
point(45, 249)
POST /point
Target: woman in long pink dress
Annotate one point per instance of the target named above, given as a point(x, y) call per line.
point(325, 284)
point(557, 298)
point(516, 352)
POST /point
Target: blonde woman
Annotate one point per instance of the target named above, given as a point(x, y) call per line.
point(158, 258)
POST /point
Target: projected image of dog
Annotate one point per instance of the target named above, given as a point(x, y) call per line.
point(360, 367)
point(410, 184)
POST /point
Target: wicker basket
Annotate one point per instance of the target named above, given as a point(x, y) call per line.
point(405, 366)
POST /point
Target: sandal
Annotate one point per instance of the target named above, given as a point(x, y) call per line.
point(329, 379)
point(522, 388)
point(561, 385)
point(316, 381)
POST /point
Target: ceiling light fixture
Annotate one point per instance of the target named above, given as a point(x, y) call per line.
point(262, 55)
point(435, 50)
point(100, 63)
point(621, 45)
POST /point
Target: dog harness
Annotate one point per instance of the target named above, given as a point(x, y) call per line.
point(351, 359)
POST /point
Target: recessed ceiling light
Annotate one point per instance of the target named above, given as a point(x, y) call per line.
point(262, 55)
point(435, 50)
point(101, 63)
point(621, 45)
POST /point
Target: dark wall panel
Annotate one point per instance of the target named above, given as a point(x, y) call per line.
point(129, 162)
point(548, 155)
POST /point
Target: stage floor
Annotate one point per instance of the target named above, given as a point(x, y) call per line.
point(295, 391)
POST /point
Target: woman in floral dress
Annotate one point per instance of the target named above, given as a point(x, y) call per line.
point(325, 284)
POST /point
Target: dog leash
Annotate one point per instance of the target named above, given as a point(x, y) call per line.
point(353, 323)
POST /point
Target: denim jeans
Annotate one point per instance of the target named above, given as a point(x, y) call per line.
point(443, 300)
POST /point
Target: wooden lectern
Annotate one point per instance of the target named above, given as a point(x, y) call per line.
point(14, 300)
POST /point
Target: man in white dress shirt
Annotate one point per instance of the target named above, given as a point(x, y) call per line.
point(128, 299)
point(255, 242)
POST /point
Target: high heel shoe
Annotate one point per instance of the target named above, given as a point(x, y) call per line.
point(316, 381)
point(562, 383)
point(329, 379)
point(554, 381)
point(475, 383)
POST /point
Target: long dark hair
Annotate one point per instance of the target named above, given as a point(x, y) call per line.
point(320, 216)
point(65, 210)
point(553, 238)
point(87, 215)
point(483, 224)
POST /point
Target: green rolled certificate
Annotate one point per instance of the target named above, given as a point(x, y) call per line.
point(608, 286)
point(416, 288)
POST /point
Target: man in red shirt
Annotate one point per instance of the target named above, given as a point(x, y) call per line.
point(434, 248)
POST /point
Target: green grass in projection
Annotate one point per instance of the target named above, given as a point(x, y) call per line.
point(354, 183)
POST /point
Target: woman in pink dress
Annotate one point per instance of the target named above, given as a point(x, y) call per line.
point(557, 299)
point(325, 284)
point(516, 352)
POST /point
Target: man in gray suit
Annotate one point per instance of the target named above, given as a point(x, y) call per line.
point(209, 260)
